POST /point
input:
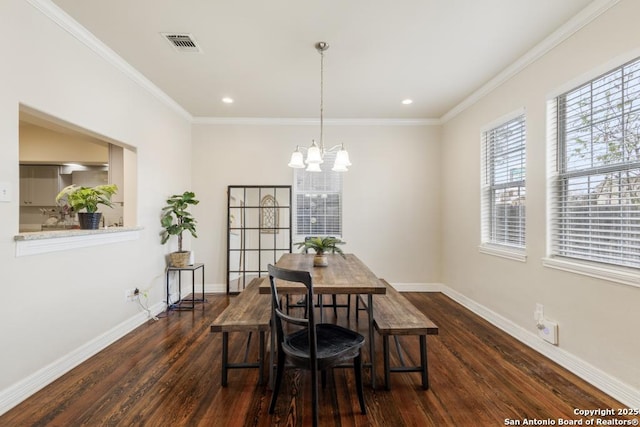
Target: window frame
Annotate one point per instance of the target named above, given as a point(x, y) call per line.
point(489, 243)
point(560, 173)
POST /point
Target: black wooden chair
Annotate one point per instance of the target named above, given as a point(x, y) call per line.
point(314, 346)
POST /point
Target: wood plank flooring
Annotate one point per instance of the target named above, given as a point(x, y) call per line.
point(167, 373)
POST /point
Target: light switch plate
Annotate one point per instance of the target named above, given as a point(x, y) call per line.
point(5, 192)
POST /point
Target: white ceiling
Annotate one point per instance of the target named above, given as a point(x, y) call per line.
point(261, 53)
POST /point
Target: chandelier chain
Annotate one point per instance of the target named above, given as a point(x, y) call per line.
point(321, 100)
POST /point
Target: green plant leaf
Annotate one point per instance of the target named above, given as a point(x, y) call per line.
point(175, 218)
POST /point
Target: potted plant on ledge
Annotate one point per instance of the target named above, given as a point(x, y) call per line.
point(87, 198)
point(321, 246)
point(175, 220)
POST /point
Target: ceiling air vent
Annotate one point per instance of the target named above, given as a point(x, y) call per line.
point(182, 42)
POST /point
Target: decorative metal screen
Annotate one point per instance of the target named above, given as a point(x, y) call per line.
point(269, 214)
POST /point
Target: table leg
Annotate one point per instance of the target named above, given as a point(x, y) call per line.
point(193, 289)
point(167, 281)
point(272, 348)
point(225, 356)
point(203, 299)
point(372, 348)
point(423, 361)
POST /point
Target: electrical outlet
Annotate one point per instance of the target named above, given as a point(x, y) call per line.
point(131, 294)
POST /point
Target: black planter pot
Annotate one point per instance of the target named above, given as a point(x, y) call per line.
point(89, 221)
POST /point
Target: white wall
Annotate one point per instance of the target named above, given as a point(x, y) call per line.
point(598, 320)
point(391, 193)
point(58, 302)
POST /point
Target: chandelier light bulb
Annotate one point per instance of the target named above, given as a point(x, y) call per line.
point(297, 159)
point(313, 167)
point(314, 155)
point(342, 158)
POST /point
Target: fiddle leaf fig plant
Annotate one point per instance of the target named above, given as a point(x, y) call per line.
point(87, 198)
point(176, 219)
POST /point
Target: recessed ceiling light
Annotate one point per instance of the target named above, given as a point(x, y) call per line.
point(227, 100)
point(407, 101)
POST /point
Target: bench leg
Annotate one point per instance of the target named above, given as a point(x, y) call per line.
point(423, 362)
point(372, 347)
point(387, 367)
point(261, 361)
point(225, 355)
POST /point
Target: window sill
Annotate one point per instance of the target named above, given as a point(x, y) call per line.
point(620, 275)
point(62, 240)
point(504, 252)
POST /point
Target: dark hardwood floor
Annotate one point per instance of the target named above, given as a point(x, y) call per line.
point(167, 373)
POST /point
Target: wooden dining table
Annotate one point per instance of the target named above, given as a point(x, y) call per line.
point(344, 275)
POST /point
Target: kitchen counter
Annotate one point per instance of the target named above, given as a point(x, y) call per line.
point(39, 235)
point(40, 242)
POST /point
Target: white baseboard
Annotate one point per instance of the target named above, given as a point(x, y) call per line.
point(417, 287)
point(215, 288)
point(18, 392)
point(617, 389)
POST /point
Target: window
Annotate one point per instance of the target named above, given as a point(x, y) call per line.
point(503, 184)
point(318, 201)
point(595, 193)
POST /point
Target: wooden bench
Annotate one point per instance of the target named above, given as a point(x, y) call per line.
point(394, 315)
point(249, 311)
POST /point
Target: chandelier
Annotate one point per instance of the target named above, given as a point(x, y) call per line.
point(315, 153)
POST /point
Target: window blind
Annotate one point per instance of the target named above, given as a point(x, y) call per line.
point(595, 199)
point(318, 200)
point(503, 184)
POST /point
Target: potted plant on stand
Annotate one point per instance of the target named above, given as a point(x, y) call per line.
point(87, 198)
point(321, 246)
point(175, 220)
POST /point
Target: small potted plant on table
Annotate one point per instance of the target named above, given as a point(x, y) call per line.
point(87, 198)
point(176, 219)
point(321, 246)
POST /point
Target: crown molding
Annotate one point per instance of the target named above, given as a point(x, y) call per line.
point(259, 121)
point(572, 26)
point(61, 18)
point(67, 23)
